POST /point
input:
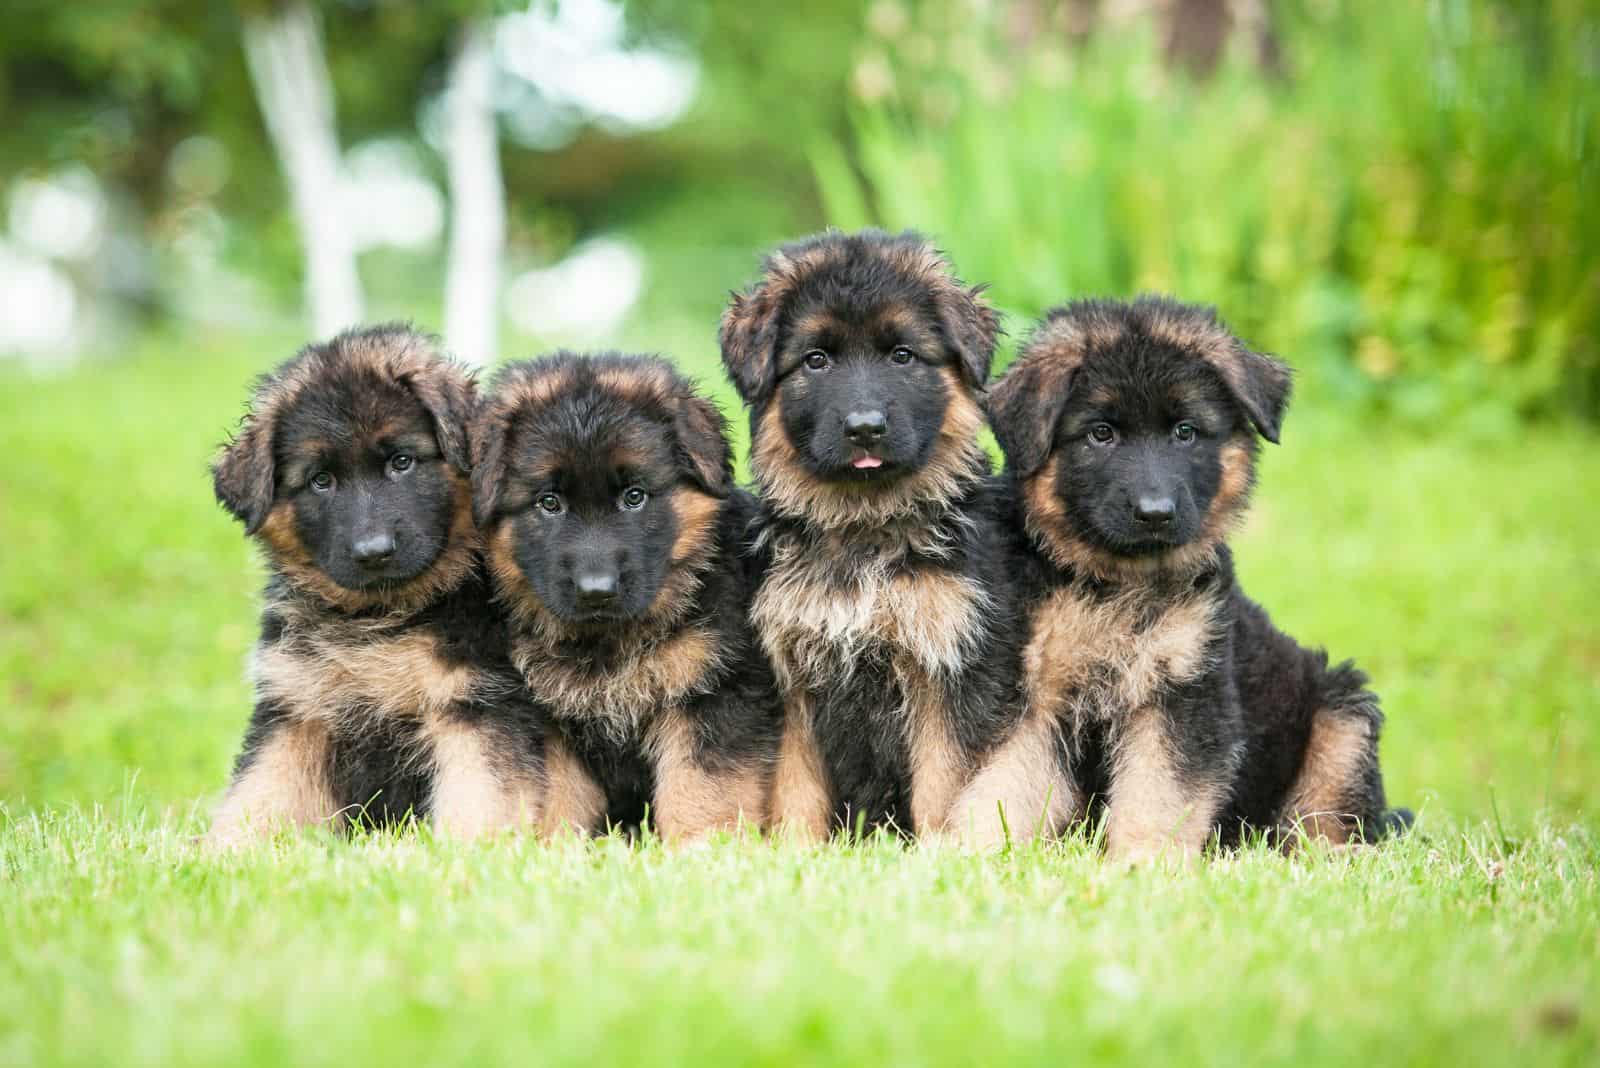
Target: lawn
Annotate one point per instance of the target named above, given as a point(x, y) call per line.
point(1459, 572)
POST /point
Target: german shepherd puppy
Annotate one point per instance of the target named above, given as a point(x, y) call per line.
point(616, 540)
point(381, 677)
point(886, 606)
point(1130, 434)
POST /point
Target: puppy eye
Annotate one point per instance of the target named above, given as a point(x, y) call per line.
point(551, 503)
point(901, 354)
point(1102, 433)
point(322, 482)
point(1184, 432)
point(400, 463)
point(816, 359)
point(633, 498)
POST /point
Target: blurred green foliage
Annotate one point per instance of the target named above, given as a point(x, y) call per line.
point(1408, 211)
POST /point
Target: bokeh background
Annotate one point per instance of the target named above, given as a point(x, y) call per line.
point(1399, 198)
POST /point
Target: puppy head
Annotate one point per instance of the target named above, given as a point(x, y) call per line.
point(1131, 428)
point(861, 357)
point(597, 481)
point(351, 469)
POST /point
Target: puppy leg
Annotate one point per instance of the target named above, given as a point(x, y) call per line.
point(1153, 809)
point(1020, 791)
point(573, 800)
point(939, 769)
point(801, 802)
point(691, 799)
point(480, 785)
point(1338, 794)
point(281, 781)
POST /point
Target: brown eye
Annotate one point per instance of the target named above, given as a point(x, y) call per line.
point(322, 482)
point(551, 503)
point(633, 498)
point(816, 359)
point(1184, 432)
point(1102, 434)
point(400, 463)
point(902, 355)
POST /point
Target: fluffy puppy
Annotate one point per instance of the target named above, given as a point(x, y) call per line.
point(381, 677)
point(1152, 682)
point(616, 541)
point(886, 605)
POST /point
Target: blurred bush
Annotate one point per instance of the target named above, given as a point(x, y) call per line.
point(1399, 197)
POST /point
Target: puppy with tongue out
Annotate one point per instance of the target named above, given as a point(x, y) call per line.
point(885, 603)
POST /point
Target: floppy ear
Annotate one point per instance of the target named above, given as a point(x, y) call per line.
point(1024, 407)
point(451, 398)
point(243, 475)
point(703, 444)
point(488, 439)
point(749, 338)
point(972, 327)
point(1261, 385)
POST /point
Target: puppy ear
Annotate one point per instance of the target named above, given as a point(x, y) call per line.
point(749, 339)
point(972, 328)
point(489, 430)
point(703, 444)
point(450, 396)
point(1261, 385)
point(1024, 407)
point(243, 476)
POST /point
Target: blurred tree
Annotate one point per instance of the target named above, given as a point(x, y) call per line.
point(477, 200)
point(294, 89)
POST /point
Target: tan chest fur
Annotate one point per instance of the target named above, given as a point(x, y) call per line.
point(815, 629)
point(658, 673)
point(349, 677)
point(1091, 660)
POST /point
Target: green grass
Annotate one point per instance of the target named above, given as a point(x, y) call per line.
point(1460, 574)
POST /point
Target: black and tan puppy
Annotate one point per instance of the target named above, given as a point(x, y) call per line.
point(886, 605)
point(381, 677)
point(616, 539)
point(1153, 683)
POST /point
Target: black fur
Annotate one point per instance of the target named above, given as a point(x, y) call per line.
point(351, 469)
point(604, 485)
point(861, 357)
point(1130, 432)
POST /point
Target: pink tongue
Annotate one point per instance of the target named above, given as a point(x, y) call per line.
point(866, 462)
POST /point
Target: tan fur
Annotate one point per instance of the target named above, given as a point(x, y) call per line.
point(955, 461)
point(800, 799)
point(285, 785)
point(1338, 750)
point(1089, 660)
point(808, 625)
point(573, 801)
point(696, 513)
point(692, 801)
point(1020, 791)
point(1151, 812)
point(473, 792)
point(446, 573)
point(658, 668)
point(359, 673)
point(938, 766)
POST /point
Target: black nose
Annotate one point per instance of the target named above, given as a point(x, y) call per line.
point(1156, 511)
point(596, 589)
point(373, 549)
point(865, 428)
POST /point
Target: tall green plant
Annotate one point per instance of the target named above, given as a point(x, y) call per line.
point(1411, 216)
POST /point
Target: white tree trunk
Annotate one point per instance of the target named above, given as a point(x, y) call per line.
point(477, 201)
point(290, 75)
